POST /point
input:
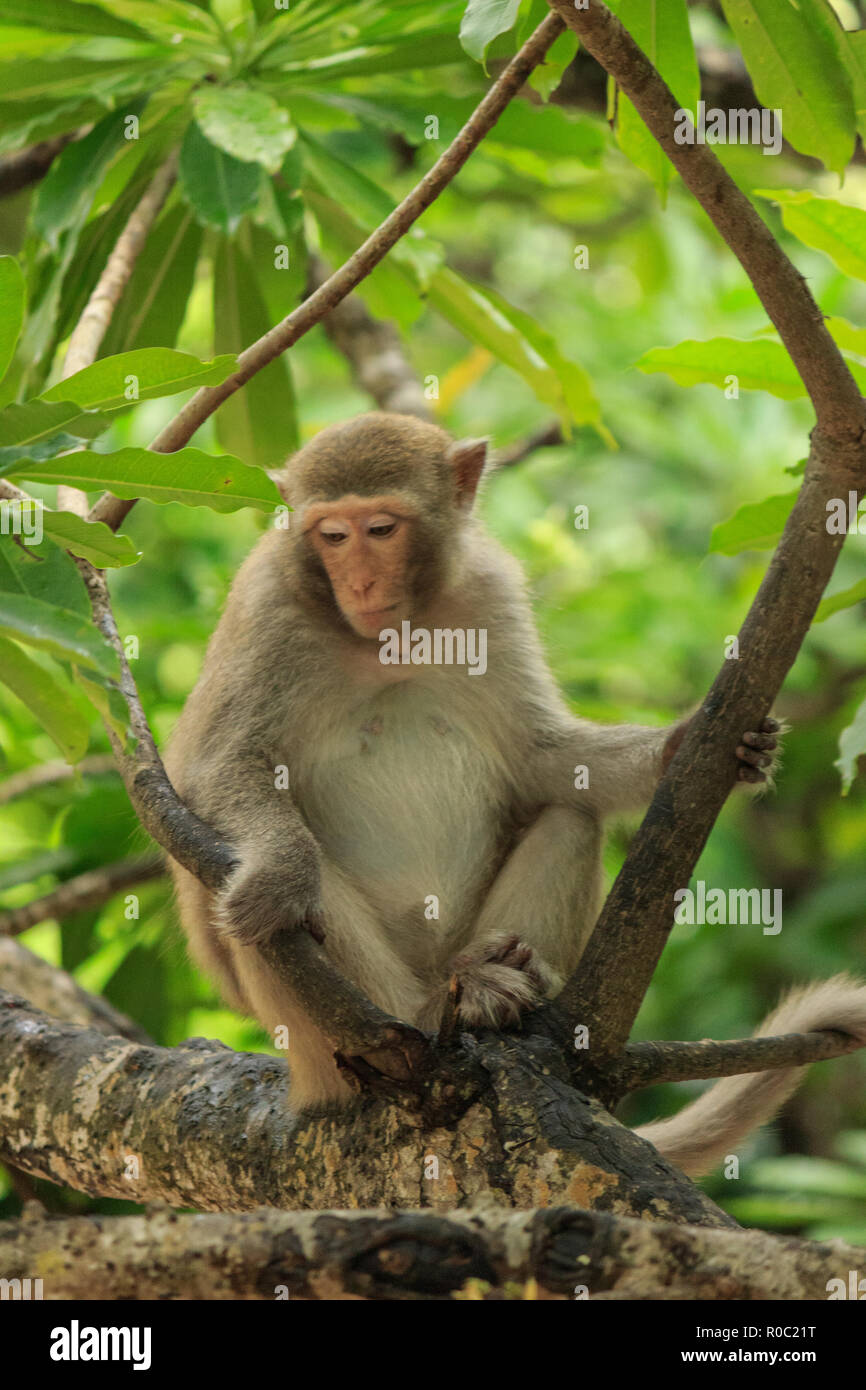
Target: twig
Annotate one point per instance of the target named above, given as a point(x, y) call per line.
point(650, 1063)
point(28, 166)
point(162, 813)
point(33, 779)
point(93, 324)
point(545, 438)
point(85, 890)
point(620, 959)
point(180, 430)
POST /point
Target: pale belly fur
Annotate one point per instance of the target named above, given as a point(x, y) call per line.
point(396, 749)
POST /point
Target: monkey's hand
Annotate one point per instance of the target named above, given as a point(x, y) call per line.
point(757, 754)
point(500, 980)
point(261, 899)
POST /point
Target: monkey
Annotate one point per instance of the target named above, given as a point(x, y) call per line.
point(423, 818)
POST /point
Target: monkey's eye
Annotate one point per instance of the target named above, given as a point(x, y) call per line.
point(383, 528)
point(333, 537)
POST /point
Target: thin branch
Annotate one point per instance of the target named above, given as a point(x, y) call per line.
point(650, 1063)
point(180, 430)
point(373, 350)
point(33, 779)
point(159, 808)
point(547, 437)
point(92, 326)
point(618, 964)
point(28, 166)
point(53, 991)
point(89, 889)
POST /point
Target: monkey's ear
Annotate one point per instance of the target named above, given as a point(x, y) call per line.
point(467, 458)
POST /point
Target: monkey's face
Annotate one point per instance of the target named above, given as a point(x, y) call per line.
point(364, 545)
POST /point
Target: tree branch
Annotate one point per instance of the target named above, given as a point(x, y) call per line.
point(373, 350)
point(28, 166)
point(92, 326)
point(379, 1255)
point(650, 1063)
point(180, 430)
point(53, 991)
point(33, 779)
point(617, 966)
point(89, 889)
point(210, 1128)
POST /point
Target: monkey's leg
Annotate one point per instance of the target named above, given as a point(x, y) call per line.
point(355, 942)
point(534, 923)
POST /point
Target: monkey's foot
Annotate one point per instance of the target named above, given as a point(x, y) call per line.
point(499, 981)
point(759, 751)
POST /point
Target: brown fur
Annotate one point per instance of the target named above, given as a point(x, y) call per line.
point(408, 784)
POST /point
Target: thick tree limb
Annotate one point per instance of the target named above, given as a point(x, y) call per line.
point(411, 1255)
point(92, 326)
point(184, 425)
point(634, 925)
point(85, 890)
point(52, 991)
point(209, 1128)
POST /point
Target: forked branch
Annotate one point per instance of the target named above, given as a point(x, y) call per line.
point(617, 966)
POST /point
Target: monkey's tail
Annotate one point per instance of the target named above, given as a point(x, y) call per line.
point(703, 1133)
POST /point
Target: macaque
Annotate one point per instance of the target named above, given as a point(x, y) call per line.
point(426, 816)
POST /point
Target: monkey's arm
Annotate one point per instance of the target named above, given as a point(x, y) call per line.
point(609, 769)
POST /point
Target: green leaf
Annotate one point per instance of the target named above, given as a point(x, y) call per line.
point(36, 420)
point(219, 188)
point(795, 66)
point(846, 598)
point(12, 295)
point(56, 630)
point(661, 27)
point(146, 373)
point(545, 78)
point(369, 205)
point(66, 192)
point(188, 475)
point(68, 17)
point(835, 228)
point(852, 746)
point(759, 364)
point(245, 123)
point(484, 21)
point(754, 526)
point(45, 572)
point(260, 420)
point(515, 339)
point(47, 699)
point(93, 540)
point(154, 303)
